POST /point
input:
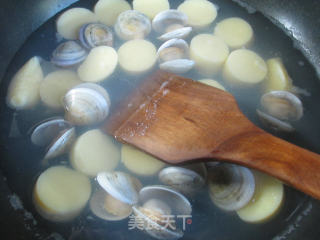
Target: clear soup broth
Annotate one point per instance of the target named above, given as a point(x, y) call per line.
point(22, 164)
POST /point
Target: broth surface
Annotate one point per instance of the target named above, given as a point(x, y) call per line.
point(22, 162)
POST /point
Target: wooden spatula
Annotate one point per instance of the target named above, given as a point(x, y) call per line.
point(179, 120)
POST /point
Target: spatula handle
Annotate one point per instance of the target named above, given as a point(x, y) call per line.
point(260, 150)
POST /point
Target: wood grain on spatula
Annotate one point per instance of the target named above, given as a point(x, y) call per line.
point(178, 120)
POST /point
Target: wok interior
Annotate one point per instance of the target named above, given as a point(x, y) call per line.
point(21, 164)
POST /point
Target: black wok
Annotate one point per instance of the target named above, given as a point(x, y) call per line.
point(300, 20)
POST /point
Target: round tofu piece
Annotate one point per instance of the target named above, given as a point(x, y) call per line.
point(55, 85)
point(278, 78)
point(23, 91)
point(200, 13)
point(108, 11)
point(137, 56)
point(212, 83)
point(244, 67)
point(140, 162)
point(70, 22)
point(94, 152)
point(61, 193)
point(266, 201)
point(209, 53)
point(236, 32)
point(99, 64)
point(150, 7)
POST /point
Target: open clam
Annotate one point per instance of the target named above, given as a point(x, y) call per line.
point(173, 56)
point(86, 104)
point(231, 187)
point(132, 24)
point(95, 87)
point(171, 24)
point(61, 143)
point(110, 202)
point(68, 54)
point(274, 123)
point(279, 108)
point(187, 179)
point(119, 185)
point(106, 207)
point(56, 133)
point(157, 211)
point(44, 132)
point(282, 105)
point(158, 208)
point(95, 34)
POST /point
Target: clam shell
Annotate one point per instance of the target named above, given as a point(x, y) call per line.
point(155, 229)
point(178, 204)
point(175, 43)
point(95, 34)
point(68, 54)
point(173, 56)
point(178, 33)
point(97, 207)
point(44, 132)
point(132, 24)
point(97, 88)
point(177, 66)
point(119, 185)
point(274, 123)
point(282, 105)
point(231, 187)
point(61, 144)
point(186, 180)
point(84, 105)
point(158, 206)
point(164, 19)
